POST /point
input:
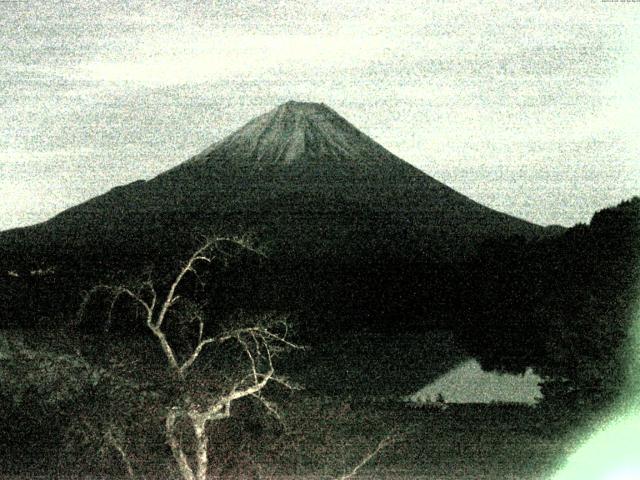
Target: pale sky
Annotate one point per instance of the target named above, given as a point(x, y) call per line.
point(531, 108)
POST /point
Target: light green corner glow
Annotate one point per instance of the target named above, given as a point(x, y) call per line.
point(612, 452)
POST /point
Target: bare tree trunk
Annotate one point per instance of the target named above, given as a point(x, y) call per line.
point(202, 459)
point(179, 455)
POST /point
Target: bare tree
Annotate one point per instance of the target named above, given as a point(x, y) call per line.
point(195, 404)
point(258, 339)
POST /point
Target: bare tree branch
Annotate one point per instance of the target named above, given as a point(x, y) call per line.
point(250, 356)
point(385, 442)
point(200, 329)
point(197, 256)
point(259, 331)
point(111, 440)
point(194, 355)
point(166, 348)
point(271, 407)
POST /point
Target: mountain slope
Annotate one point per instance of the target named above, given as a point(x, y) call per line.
point(300, 178)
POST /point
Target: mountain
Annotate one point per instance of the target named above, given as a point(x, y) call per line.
point(353, 234)
point(302, 180)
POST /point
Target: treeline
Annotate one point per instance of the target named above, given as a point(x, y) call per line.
point(563, 305)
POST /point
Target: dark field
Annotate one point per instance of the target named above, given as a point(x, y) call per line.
point(461, 442)
point(325, 438)
point(325, 432)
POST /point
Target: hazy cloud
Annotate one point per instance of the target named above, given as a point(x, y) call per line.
point(528, 107)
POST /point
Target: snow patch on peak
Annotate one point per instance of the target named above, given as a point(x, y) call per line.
point(300, 133)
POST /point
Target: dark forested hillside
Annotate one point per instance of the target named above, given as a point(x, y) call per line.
point(562, 305)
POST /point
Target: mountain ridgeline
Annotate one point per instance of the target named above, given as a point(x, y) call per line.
point(353, 235)
point(300, 179)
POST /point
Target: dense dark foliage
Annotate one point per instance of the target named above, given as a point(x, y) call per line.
point(562, 305)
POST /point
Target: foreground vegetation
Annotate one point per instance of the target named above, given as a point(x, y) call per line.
point(319, 434)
